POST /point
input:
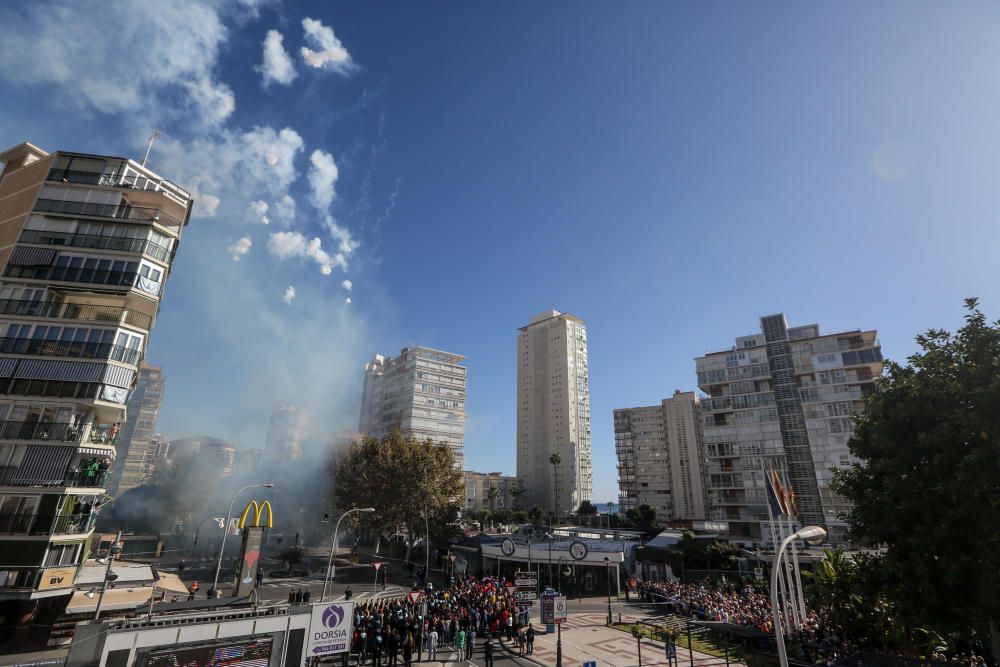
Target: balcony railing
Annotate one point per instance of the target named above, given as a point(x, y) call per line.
point(95, 241)
point(77, 478)
point(45, 524)
point(56, 432)
point(74, 275)
point(116, 180)
point(115, 211)
point(74, 311)
point(65, 348)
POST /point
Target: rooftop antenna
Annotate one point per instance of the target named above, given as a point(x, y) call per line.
point(149, 147)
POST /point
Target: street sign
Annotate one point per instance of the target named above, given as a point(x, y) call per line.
point(548, 609)
point(525, 574)
point(525, 595)
point(414, 596)
point(589, 663)
point(330, 628)
point(560, 609)
point(511, 589)
point(526, 582)
point(758, 573)
point(377, 566)
point(452, 557)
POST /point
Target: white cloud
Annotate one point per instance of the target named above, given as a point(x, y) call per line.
point(347, 285)
point(284, 210)
point(348, 300)
point(169, 72)
point(232, 166)
point(289, 295)
point(328, 52)
point(258, 210)
point(240, 248)
point(285, 245)
point(278, 66)
point(323, 174)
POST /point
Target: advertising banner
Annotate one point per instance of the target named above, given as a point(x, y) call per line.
point(330, 628)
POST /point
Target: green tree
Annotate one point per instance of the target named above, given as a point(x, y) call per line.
point(926, 486)
point(587, 509)
point(291, 556)
point(535, 515)
point(402, 479)
point(492, 496)
point(642, 517)
point(515, 493)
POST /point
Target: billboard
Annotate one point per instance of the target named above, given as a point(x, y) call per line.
point(330, 628)
point(246, 653)
point(56, 577)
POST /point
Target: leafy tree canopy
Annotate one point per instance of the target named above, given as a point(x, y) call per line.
point(587, 508)
point(928, 485)
point(402, 479)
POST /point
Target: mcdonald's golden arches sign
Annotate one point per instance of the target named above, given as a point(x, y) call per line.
point(255, 512)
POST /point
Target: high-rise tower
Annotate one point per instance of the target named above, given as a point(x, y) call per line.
point(553, 412)
point(86, 245)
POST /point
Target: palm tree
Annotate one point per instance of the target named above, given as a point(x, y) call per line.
point(555, 460)
point(515, 493)
point(492, 495)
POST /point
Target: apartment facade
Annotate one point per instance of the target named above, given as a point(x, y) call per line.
point(284, 434)
point(86, 245)
point(659, 458)
point(478, 496)
point(421, 392)
point(784, 397)
point(553, 412)
point(137, 445)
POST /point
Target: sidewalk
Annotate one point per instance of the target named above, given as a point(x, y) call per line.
point(585, 637)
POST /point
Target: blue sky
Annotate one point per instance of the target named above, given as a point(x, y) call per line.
point(667, 171)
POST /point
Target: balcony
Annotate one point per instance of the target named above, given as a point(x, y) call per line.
point(75, 478)
point(65, 348)
point(95, 242)
point(45, 432)
point(68, 274)
point(75, 311)
point(46, 524)
point(121, 211)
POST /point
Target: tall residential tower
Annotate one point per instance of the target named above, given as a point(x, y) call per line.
point(783, 397)
point(553, 412)
point(421, 392)
point(86, 245)
point(659, 458)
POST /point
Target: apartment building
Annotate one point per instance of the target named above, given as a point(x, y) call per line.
point(137, 445)
point(659, 458)
point(421, 392)
point(553, 412)
point(478, 495)
point(284, 434)
point(784, 397)
point(86, 245)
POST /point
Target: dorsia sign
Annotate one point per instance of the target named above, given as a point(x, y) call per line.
point(330, 628)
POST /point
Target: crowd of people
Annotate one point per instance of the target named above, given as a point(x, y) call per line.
point(469, 618)
point(815, 641)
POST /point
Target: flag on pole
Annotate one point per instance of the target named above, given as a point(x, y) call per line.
point(775, 493)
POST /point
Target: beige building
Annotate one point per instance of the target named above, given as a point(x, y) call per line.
point(421, 392)
point(784, 397)
point(86, 245)
point(659, 458)
point(137, 444)
point(553, 412)
point(477, 491)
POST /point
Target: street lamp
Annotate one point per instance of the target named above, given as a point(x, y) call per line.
point(333, 549)
point(194, 542)
point(225, 529)
point(113, 550)
point(427, 549)
point(607, 561)
point(559, 567)
point(808, 533)
point(550, 536)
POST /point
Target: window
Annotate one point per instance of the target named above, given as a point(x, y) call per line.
point(62, 554)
